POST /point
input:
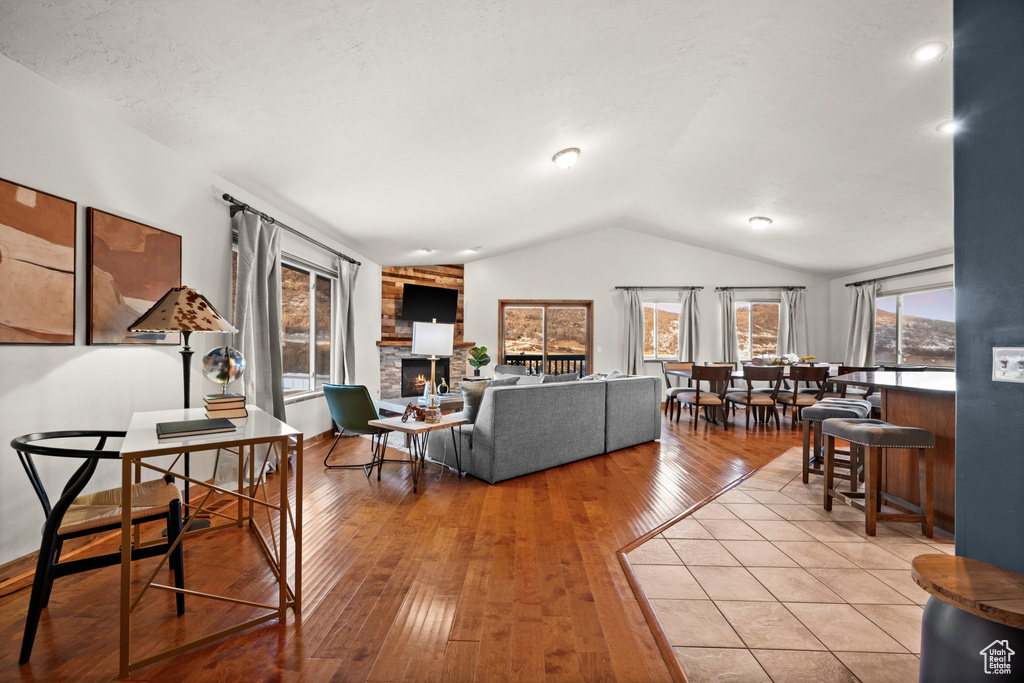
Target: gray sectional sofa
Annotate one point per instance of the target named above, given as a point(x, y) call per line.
point(524, 429)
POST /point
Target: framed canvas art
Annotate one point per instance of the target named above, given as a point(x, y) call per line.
point(131, 265)
point(37, 266)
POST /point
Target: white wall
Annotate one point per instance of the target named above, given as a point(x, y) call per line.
point(590, 266)
point(839, 296)
point(51, 141)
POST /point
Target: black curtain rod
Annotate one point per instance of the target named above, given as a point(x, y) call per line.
point(697, 287)
point(893, 277)
point(237, 206)
point(787, 287)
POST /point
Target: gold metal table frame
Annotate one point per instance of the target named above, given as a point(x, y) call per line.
point(259, 428)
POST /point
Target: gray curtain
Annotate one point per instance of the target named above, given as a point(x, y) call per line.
point(258, 320)
point(689, 324)
point(343, 341)
point(730, 345)
point(793, 323)
point(634, 341)
point(860, 348)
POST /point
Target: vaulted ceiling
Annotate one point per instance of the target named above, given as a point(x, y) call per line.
point(424, 123)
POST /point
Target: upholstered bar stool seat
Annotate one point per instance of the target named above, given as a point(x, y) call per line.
point(825, 409)
point(869, 437)
point(876, 404)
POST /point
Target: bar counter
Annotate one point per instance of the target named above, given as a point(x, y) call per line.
point(917, 399)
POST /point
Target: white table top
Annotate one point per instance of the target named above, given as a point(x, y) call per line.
point(141, 439)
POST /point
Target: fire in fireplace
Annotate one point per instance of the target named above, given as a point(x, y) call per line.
point(416, 374)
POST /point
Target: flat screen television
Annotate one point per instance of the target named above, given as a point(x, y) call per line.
point(423, 304)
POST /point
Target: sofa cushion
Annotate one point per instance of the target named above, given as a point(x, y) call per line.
point(530, 379)
point(506, 381)
point(503, 376)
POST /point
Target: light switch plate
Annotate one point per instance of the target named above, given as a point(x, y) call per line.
point(1007, 364)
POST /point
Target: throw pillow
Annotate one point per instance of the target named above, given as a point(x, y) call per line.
point(564, 377)
point(504, 376)
point(614, 374)
point(472, 397)
point(473, 394)
point(530, 379)
point(596, 375)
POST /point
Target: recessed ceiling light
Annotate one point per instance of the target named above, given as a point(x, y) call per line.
point(428, 250)
point(929, 52)
point(567, 157)
point(760, 222)
point(476, 250)
point(948, 127)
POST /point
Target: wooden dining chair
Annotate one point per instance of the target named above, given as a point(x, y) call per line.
point(75, 515)
point(847, 391)
point(717, 377)
point(812, 375)
point(762, 400)
point(674, 383)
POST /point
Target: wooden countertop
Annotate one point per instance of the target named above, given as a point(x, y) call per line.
point(982, 589)
point(935, 382)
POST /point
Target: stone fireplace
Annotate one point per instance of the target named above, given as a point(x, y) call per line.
point(416, 375)
point(393, 352)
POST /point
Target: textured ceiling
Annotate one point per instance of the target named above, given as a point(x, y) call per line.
point(411, 123)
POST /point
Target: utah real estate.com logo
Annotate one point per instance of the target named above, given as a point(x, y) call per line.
point(997, 657)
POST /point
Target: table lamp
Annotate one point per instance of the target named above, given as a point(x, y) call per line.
point(433, 339)
point(183, 309)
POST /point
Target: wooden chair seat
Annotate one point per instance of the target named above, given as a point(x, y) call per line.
point(798, 400)
point(756, 398)
point(103, 508)
point(706, 399)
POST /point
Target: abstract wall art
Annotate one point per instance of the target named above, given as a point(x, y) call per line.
point(37, 266)
point(131, 265)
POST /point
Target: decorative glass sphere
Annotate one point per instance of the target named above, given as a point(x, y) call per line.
point(223, 365)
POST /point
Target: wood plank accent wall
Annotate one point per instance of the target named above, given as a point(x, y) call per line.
point(392, 281)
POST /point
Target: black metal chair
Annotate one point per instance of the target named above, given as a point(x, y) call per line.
point(77, 515)
point(351, 409)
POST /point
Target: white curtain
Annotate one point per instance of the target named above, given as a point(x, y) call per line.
point(343, 341)
point(730, 345)
point(634, 341)
point(793, 323)
point(258, 320)
point(689, 324)
point(860, 349)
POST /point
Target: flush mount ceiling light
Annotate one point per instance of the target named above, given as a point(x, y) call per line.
point(567, 157)
point(929, 52)
point(948, 127)
point(476, 250)
point(428, 250)
point(760, 222)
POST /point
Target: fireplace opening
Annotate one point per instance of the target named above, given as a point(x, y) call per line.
point(416, 374)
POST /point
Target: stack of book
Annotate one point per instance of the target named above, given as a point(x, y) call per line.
point(225, 405)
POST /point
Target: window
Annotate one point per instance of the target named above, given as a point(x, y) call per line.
point(661, 329)
point(757, 328)
point(916, 328)
point(547, 336)
point(306, 297)
point(305, 316)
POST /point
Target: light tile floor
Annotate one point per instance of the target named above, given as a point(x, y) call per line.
point(763, 585)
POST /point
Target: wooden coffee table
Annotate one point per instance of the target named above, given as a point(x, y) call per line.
point(417, 432)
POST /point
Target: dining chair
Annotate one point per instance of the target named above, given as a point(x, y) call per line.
point(717, 377)
point(763, 400)
point(673, 383)
point(815, 376)
point(75, 515)
point(847, 391)
point(352, 409)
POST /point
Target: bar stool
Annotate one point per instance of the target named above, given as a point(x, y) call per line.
point(869, 437)
point(813, 416)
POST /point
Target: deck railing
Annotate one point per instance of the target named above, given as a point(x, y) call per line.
point(556, 364)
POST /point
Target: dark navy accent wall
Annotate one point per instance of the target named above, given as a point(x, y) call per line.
point(988, 156)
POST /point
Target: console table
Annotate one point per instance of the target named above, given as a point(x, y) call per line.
point(140, 450)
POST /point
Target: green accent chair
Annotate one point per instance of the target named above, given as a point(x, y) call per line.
point(352, 409)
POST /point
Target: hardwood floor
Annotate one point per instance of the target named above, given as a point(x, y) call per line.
point(463, 581)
